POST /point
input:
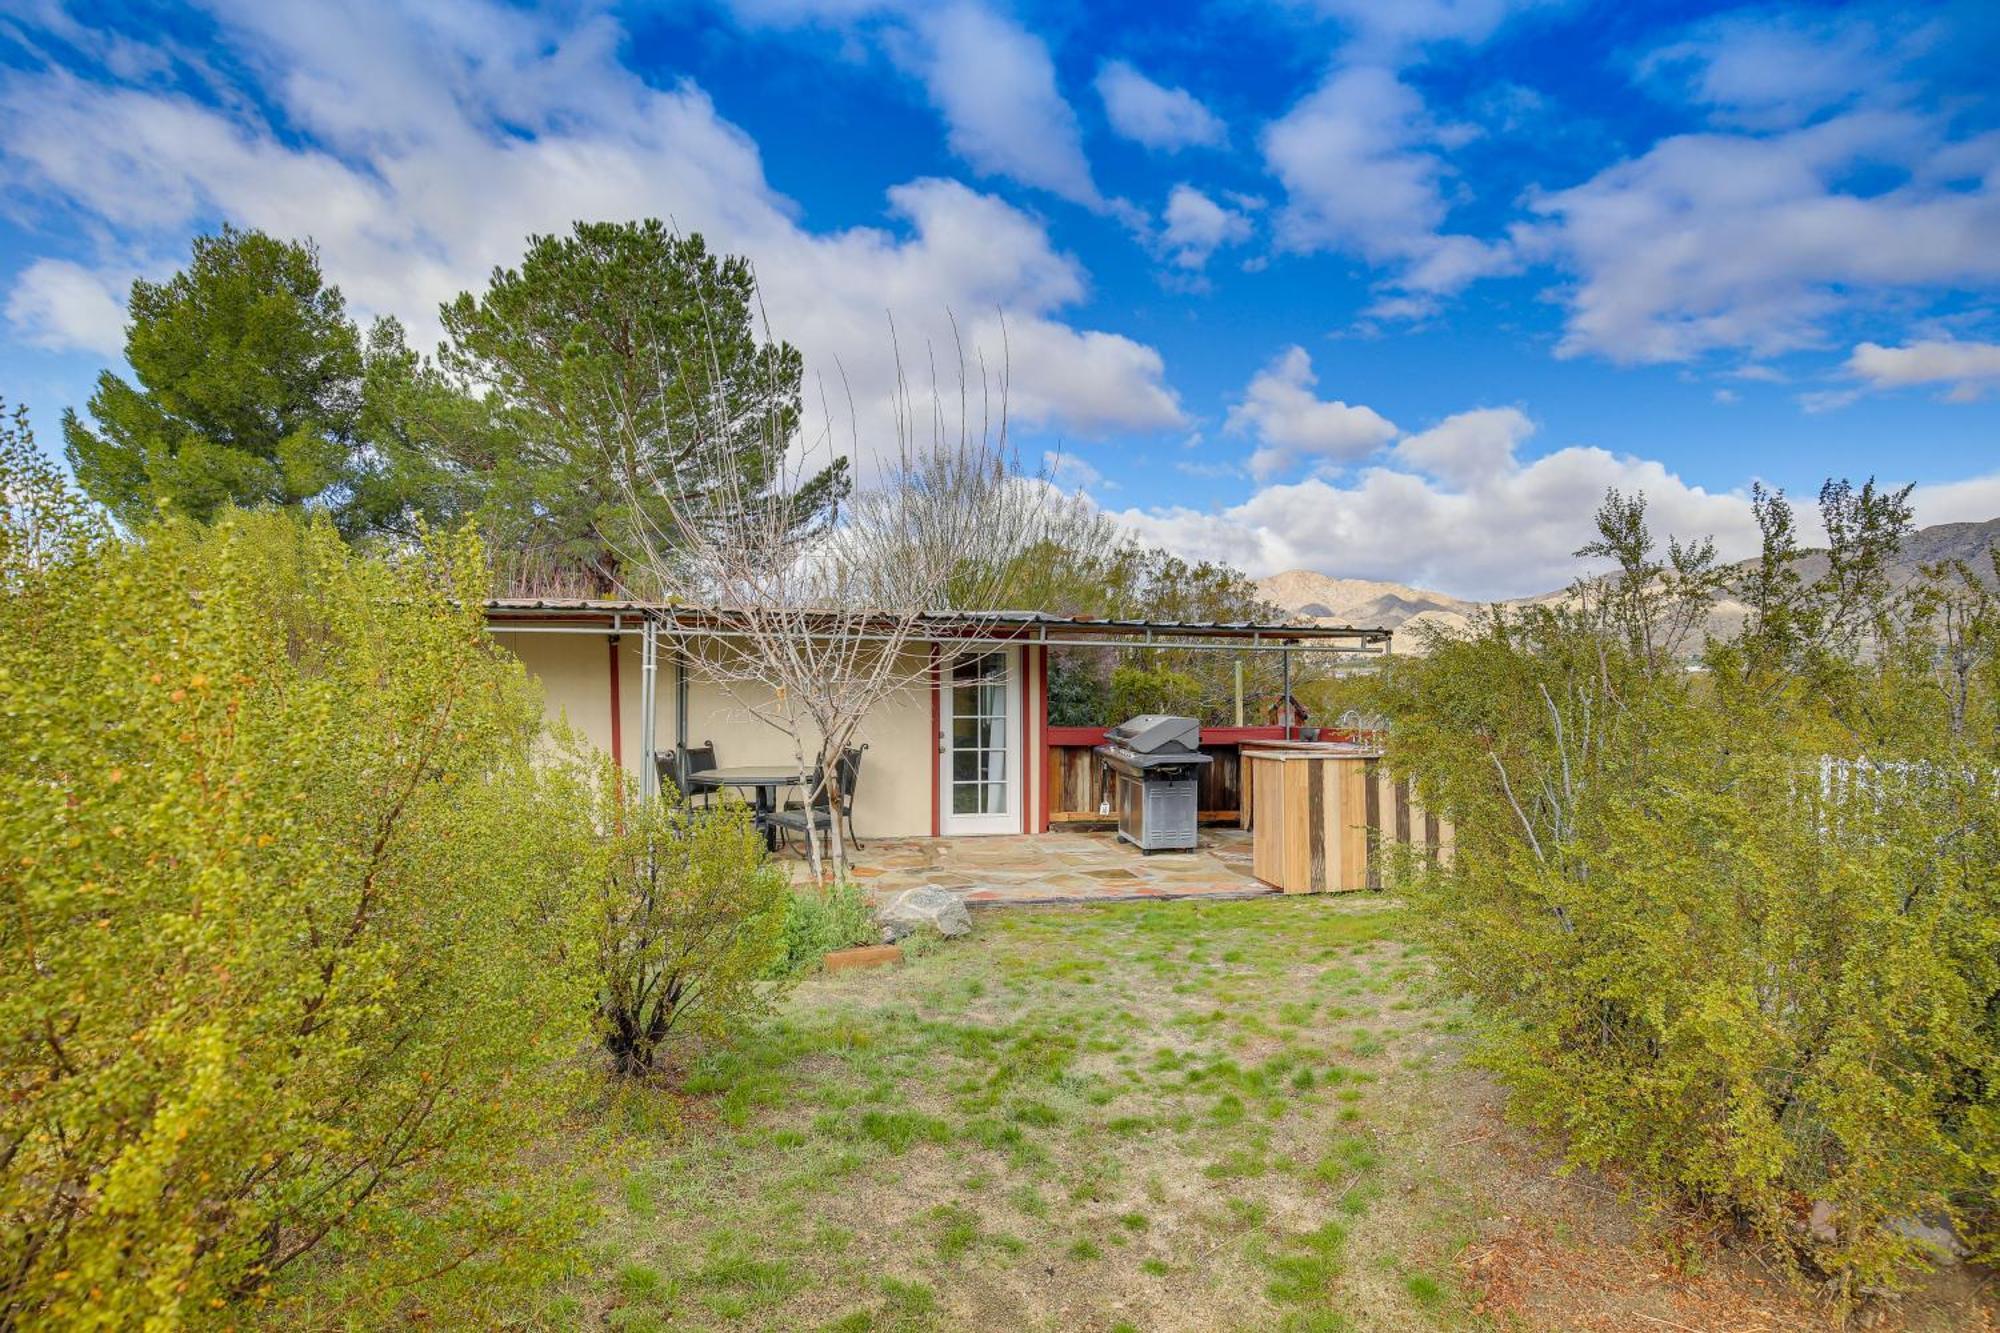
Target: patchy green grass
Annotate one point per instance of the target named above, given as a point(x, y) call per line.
point(1134, 1115)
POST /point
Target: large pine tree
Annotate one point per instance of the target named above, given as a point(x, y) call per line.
point(607, 357)
point(568, 393)
point(249, 391)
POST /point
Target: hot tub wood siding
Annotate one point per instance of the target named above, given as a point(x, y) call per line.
point(1321, 818)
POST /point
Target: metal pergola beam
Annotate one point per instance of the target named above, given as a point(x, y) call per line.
point(1369, 646)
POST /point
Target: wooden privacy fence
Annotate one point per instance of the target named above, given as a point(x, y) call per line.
point(1078, 792)
point(1359, 814)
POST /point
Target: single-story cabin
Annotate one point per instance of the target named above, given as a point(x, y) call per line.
point(966, 750)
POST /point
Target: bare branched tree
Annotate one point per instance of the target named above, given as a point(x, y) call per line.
point(812, 621)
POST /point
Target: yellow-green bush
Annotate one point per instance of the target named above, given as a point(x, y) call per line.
point(685, 913)
point(284, 954)
point(1736, 931)
point(819, 921)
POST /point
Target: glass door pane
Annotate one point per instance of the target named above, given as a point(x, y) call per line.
point(979, 728)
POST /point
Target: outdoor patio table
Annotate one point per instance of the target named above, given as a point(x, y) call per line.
point(763, 780)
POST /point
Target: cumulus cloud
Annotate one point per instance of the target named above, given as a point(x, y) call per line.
point(1774, 70)
point(1971, 368)
point(1974, 500)
point(1157, 116)
point(1197, 226)
point(989, 78)
point(1069, 472)
point(1455, 507)
point(1396, 28)
point(1292, 424)
point(66, 307)
point(1467, 447)
point(1357, 159)
point(1752, 242)
point(1452, 508)
point(421, 148)
point(995, 85)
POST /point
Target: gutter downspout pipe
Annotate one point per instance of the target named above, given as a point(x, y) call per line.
point(681, 706)
point(649, 659)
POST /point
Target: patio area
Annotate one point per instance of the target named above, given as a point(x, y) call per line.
point(1020, 870)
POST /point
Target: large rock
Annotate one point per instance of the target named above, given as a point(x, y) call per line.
point(928, 905)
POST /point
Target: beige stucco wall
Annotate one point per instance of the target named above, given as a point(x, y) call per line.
point(574, 671)
point(575, 674)
point(897, 772)
point(894, 799)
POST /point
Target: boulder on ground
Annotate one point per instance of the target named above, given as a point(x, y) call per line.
point(928, 905)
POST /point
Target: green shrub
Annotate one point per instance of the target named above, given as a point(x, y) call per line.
point(1157, 689)
point(1079, 692)
point(686, 913)
point(819, 921)
point(284, 960)
point(1752, 975)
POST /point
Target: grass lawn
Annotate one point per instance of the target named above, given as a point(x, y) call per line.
point(1176, 1115)
point(1240, 1115)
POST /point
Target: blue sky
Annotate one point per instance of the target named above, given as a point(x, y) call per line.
point(1384, 290)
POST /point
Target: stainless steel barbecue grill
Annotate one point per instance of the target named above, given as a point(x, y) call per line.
point(1155, 763)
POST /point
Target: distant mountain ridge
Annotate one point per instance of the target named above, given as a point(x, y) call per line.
point(1326, 600)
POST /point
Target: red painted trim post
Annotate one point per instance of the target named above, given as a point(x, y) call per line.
point(1042, 750)
point(1027, 709)
point(617, 727)
point(937, 738)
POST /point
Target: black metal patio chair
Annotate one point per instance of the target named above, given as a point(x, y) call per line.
point(699, 759)
point(795, 818)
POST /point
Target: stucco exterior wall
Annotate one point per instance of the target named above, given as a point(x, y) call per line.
point(894, 799)
point(898, 770)
point(575, 675)
point(574, 671)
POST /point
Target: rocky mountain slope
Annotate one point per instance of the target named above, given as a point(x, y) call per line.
point(1327, 600)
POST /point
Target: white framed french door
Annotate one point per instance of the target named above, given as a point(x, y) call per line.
point(979, 745)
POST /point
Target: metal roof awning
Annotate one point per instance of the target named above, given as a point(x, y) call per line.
point(1000, 628)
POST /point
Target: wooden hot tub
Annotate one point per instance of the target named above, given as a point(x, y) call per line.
point(1311, 814)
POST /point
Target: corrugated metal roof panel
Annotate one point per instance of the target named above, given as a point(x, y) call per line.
point(554, 607)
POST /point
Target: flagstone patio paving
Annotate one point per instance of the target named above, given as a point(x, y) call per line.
point(1021, 870)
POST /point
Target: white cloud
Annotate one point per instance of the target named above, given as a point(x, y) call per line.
point(989, 78)
point(1393, 27)
point(1757, 373)
point(996, 87)
point(1159, 117)
point(1069, 472)
point(1815, 401)
point(1467, 447)
point(1772, 70)
point(1291, 424)
point(66, 307)
point(1207, 471)
point(1970, 368)
point(1974, 500)
point(1482, 524)
point(1197, 227)
point(1455, 508)
point(1355, 156)
point(423, 146)
point(1732, 241)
